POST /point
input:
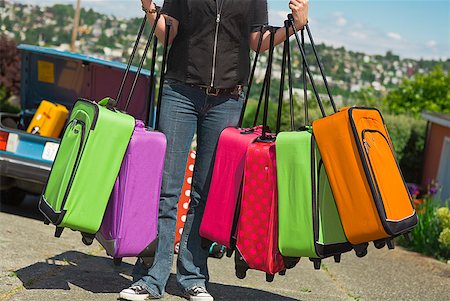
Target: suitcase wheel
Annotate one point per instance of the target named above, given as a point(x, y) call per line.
point(59, 231)
point(241, 272)
point(87, 239)
point(290, 262)
point(147, 262)
point(229, 252)
point(361, 253)
point(390, 244)
point(316, 262)
point(337, 258)
point(361, 249)
point(269, 277)
point(282, 273)
point(216, 250)
point(117, 261)
point(379, 244)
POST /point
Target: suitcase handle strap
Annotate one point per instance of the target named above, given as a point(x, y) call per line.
point(306, 65)
point(163, 70)
point(252, 73)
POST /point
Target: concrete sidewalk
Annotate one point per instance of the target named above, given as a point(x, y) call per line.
point(36, 266)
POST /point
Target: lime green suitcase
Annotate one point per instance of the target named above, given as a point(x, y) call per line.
point(309, 223)
point(86, 166)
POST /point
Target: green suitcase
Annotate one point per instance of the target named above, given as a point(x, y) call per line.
point(308, 220)
point(309, 223)
point(86, 166)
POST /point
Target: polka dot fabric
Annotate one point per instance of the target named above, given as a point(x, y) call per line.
point(185, 198)
point(257, 238)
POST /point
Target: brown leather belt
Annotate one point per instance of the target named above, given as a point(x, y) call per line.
point(237, 90)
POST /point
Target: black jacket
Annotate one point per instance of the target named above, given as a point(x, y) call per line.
point(191, 56)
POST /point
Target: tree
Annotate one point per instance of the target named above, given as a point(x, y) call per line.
point(424, 92)
point(9, 67)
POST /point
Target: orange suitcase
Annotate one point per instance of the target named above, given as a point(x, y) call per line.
point(371, 196)
point(370, 192)
point(49, 119)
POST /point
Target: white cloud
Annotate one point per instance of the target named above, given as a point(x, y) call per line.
point(431, 44)
point(394, 36)
point(341, 21)
point(358, 35)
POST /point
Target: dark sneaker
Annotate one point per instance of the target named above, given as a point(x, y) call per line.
point(198, 293)
point(135, 293)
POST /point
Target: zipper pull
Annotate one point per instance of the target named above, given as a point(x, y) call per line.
point(366, 144)
point(218, 18)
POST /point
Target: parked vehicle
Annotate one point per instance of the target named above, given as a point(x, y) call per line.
point(59, 77)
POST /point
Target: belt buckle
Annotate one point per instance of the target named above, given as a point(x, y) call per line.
point(211, 91)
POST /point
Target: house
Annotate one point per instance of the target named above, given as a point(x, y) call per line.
point(437, 151)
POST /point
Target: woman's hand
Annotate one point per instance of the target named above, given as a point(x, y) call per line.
point(299, 10)
point(146, 3)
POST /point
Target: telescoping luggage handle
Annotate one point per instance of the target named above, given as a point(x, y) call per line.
point(163, 70)
point(286, 57)
point(266, 89)
point(141, 63)
point(250, 80)
point(306, 65)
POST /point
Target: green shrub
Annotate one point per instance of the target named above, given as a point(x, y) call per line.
point(431, 236)
point(429, 91)
point(408, 137)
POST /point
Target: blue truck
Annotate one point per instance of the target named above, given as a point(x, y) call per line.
point(60, 77)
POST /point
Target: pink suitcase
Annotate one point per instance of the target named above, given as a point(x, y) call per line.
point(129, 226)
point(217, 222)
point(220, 216)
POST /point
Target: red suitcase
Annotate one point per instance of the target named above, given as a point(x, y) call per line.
point(257, 234)
point(257, 230)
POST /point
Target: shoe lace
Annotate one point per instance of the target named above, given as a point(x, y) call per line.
point(136, 288)
point(199, 289)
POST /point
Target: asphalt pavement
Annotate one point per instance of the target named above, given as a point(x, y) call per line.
point(36, 266)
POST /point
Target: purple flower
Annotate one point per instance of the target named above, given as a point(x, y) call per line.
point(413, 189)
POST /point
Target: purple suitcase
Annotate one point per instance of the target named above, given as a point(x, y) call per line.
point(129, 226)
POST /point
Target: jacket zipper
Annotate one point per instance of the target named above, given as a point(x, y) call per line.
point(213, 71)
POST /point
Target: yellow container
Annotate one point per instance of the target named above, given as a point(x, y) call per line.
point(49, 119)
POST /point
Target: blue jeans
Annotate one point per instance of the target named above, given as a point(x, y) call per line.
point(185, 110)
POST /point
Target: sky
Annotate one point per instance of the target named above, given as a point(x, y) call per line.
point(410, 28)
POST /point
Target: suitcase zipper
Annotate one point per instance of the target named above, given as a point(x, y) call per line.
point(218, 16)
point(75, 166)
point(363, 134)
point(374, 190)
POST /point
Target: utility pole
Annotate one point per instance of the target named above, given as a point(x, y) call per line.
point(76, 21)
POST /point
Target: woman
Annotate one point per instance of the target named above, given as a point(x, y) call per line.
point(208, 65)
